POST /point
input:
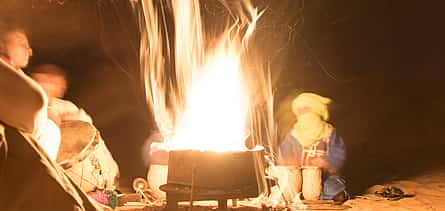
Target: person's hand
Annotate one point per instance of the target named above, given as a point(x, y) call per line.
point(319, 162)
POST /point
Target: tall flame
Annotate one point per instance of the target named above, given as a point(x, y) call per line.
point(205, 104)
point(215, 113)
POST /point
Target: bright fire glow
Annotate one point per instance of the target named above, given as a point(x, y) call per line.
point(217, 94)
point(205, 106)
point(215, 113)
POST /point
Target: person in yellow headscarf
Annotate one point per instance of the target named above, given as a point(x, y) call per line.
point(313, 142)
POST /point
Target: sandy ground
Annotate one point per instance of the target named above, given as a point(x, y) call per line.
point(428, 189)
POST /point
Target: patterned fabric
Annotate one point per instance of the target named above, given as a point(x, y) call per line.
point(85, 157)
point(317, 150)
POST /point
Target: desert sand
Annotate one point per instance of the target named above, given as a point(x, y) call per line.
point(428, 189)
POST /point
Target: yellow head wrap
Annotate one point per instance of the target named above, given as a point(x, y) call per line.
point(312, 112)
point(316, 103)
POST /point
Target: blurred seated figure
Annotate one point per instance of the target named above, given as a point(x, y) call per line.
point(82, 151)
point(153, 151)
point(53, 80)
point(156, 149)
point(29, 179)
point(15, 52)
point(313, 144)
point(155, 157)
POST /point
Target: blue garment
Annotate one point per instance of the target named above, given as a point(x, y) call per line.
point(291, 153)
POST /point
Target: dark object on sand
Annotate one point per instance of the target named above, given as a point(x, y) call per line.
point(390, 193)
point(386, 193)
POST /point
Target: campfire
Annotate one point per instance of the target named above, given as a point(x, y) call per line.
point(192, 176)
point(206, 108)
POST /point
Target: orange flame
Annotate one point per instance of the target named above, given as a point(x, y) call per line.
point(217, 94)
point(206, 105)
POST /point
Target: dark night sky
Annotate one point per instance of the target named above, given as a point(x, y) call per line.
point(381, 62)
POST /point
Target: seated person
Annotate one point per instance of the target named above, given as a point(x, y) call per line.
point(14, 55)
point(98, 170)
point(155, 157)
point(15, 50)
point(155, 153)
point(29, 180)
point(53, 80)
point(314, 142)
